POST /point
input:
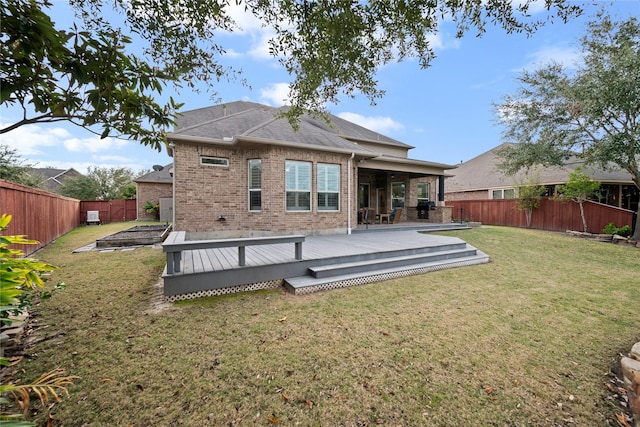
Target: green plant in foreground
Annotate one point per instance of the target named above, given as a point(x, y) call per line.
point(19, 279)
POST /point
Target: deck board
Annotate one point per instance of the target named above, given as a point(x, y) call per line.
point(315, 247)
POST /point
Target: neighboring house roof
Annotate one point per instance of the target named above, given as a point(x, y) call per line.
point(480, 173)
point(247, 124)
point(54, 178)
point(162, 175)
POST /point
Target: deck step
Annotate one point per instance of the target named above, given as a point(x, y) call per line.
point(308, 284)
point(324, 271)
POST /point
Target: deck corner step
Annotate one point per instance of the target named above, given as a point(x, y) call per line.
point(307, 284)
point(360, 266)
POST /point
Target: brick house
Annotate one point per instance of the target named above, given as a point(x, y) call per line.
point(240, 170)
point(478, 179)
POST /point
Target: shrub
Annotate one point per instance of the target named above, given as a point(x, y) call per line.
point(624, 231)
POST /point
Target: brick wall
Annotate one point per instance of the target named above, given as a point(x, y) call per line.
point(151, 192)
point(204, 193)
point(467, 195)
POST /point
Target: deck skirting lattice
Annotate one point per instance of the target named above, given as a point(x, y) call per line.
point(364, 280)
point(270, 284)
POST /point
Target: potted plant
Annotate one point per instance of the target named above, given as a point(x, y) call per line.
point(153, 209)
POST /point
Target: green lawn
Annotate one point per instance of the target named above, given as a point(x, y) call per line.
point(528, 339)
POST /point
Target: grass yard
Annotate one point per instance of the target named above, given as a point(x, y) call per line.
point(529, 339)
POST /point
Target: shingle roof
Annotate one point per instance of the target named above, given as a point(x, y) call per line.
point(158, 176)
point(480, 173)
point(248, 119)
point(47, 172)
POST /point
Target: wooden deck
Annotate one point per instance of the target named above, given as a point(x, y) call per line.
point(216, 271)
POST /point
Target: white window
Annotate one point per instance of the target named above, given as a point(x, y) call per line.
point(423, 192)
point(214, 161)
point(397, 194)
point(255, 185)
point(503, 193)
point(298, 185)
point(328, 187)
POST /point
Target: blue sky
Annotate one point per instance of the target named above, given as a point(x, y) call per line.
point(445, 111)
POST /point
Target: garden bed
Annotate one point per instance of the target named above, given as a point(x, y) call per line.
point(140, 235)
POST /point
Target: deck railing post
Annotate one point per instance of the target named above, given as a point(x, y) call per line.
point(173, 262)
point(169, 263)
point(298, 250)
point(241, 256)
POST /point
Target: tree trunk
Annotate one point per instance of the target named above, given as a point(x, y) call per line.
point(527, 215)
point(636, 234)
point(584, 221)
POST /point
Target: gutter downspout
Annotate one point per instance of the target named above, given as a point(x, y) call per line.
point(173, 187)
point(349, 191)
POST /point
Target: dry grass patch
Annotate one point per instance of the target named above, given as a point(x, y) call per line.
point(528, 339)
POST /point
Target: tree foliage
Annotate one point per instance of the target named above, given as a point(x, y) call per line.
point(592, 112)
point(329, 47)
point(101, 184)
point(579, 188)
point(83, 77)
point(528, 194)
point(13, 168)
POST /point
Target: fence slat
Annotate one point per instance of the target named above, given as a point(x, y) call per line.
point(552, 214)
point(110, 210)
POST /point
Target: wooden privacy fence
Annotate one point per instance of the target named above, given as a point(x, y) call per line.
point(37, 214)
point(110, 210)
point(552, 214)
point(45, 216)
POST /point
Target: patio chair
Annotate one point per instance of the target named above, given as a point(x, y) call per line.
point(395, 215)
point(391, 217)
point(368, 215)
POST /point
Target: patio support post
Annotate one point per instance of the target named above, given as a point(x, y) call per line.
point(441, 190)
point(349, 191)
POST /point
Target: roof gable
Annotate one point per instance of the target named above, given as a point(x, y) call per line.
point(248, 119)
point(163, 175)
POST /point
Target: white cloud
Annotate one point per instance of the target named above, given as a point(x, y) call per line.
point(246, 21)
point(260, 45)
point(29, 140)
point(93, 144)
point(378, 124)
point(566, 56)
point(536, 6)
point(438, 42)
point(276, 94)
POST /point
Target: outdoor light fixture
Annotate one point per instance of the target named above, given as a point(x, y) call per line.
point(221, 218)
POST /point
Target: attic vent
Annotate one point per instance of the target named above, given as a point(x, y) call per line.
point(214, 161)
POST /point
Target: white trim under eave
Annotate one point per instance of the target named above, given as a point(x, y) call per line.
point(237, 141)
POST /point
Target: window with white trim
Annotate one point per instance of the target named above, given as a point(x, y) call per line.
point(214, 161)
point(397, 194)
point(503, 193)
point(328, 186)
point(298, 185)
point(255, 185)
point(423, 192)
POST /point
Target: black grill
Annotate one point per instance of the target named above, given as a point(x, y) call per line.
point(423, 208)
